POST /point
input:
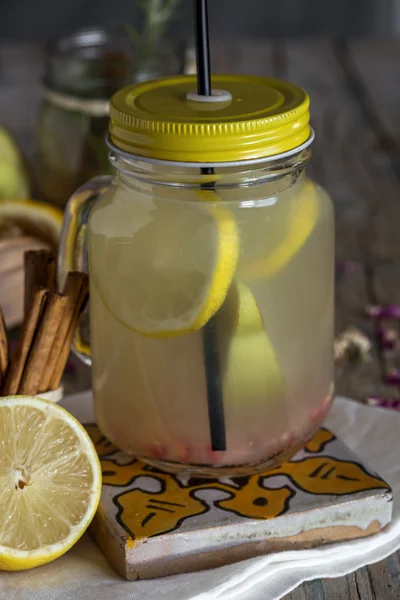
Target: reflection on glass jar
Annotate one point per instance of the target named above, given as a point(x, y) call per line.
point(82, 72)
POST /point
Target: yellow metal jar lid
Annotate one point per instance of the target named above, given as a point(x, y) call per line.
point(257, 118)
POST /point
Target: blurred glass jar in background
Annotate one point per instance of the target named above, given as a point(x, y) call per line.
point(82, 72)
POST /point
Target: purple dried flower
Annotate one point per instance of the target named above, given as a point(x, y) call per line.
point(388, 344)
point(388, 311)
point(391, 311)
point(374, 311)
point(393, 377)
point(388, 338)
point(389, 403)
point(387, 334)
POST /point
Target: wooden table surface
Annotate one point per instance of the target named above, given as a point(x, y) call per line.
point(355, 107)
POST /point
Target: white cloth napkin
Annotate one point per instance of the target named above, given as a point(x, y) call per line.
point(83, 573)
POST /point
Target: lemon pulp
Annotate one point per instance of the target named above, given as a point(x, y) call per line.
point(50, 482)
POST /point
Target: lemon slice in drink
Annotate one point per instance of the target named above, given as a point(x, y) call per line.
point(299, 225)
point(171, 271)
point(50, 482)
point(250, 366)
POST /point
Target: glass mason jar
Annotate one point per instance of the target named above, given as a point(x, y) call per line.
point(83, 71)
point(211, 265)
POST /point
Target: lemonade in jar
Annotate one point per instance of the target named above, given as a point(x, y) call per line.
point(211, 265)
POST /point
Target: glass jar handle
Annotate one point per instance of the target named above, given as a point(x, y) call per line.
point(73, 254)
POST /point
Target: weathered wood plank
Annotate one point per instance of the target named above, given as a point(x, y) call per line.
point(255, 58)
point(373, 70)
point(21, 68)
point(393, 565)
point(359, 586)
point(380, 162)
point(348, 588)
point(342, 145)
point(297, 594)
point(375, 582)
point(340, 167)
point(383, 584)
point(378, 64)
point(355, 586)
point(360, 379)
point(314, 590)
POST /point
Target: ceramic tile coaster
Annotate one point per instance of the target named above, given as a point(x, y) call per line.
point(151, 524)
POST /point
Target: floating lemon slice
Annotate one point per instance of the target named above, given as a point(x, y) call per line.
point(251, 372)
point(50, 482)
point(301, 222)
point(29, 217)
point(171, 274)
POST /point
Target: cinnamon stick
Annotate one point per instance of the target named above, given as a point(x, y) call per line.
point(4, 349)
point(40, 271)
point(75, 283)
point(41, 347)
point(80, 305)
point(18, 360)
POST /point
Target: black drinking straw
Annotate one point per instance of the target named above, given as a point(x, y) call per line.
point(210, 340)
point(202, 48)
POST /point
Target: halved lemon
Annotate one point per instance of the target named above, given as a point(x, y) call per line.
point(33, 218)
point(172, 270)
point(50, 482)
point(268, 256)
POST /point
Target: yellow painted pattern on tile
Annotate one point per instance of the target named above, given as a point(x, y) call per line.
point(121, 475)
point(327, 475)
point(257, 502)
point(320, 440)
point(161, 503)
point(103, 446)
point(145, 514)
